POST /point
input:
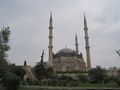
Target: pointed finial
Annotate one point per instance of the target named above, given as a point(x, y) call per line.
point(50, 22)
point(75, 37)
point(76, 43)
point(85, 21)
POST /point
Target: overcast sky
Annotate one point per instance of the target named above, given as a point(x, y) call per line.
point(28, 21)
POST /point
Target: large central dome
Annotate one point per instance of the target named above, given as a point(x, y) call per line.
point(66, 50)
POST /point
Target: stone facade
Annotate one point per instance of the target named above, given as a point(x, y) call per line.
point(29, 76)
point(68, 60)
point(113, 71)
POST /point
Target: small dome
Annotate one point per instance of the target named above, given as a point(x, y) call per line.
point(65, 51)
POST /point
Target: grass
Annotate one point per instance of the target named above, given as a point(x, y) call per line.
point(64, 88)
point(111, 84)
point(82, 86)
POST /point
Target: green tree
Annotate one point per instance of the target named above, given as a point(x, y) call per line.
point(39, 71)
point(97, 74)
point(49, 73)
point(4, 47)
point(118, 78)
point(11, 81)
point(82, 78)
point(18, 70)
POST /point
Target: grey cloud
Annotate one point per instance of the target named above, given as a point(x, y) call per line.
point(28, 21)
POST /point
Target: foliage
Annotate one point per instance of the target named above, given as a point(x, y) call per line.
point(18, 70)
point(74, 71)
point(43, 73)
point(118, 81)
point(49, 73)
point(97, 74)
point(110, 79)
point(72, 83)
point(107, 80)
point(4, 39)
point(40, 71)
point(82, 78)
point(63, 80)
point(65, 77)
point(11, 81)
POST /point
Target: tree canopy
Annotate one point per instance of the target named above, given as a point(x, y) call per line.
point(97, 74)
point(4, 47)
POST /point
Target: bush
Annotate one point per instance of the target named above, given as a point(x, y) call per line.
point(82, 78)
point(73, 84)
point(11, 81)
point(62, 83)
point(107, 79)
point(118, 81)
point(110, 79)
point(65, 77)
point(97, 75)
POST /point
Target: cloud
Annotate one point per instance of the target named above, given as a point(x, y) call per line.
point(28, 21)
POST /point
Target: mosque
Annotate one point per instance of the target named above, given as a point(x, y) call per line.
point(68, 59)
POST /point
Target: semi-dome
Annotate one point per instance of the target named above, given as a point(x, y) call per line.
point(66, 50)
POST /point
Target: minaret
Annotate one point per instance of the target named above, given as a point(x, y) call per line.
point(50, 41)
point(76, 44)
point(87, 44)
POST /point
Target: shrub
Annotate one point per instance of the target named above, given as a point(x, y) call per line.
point(107, 79)
point(110, 79)
point(11, 81)
point(65, 77)
point(97, 74)
point(73, 84)
point(82, 78)
point(118, 81)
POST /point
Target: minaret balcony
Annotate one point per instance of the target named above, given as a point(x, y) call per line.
point(50, 36)
point(50, 46)
point(51, 27)
point(87, 47)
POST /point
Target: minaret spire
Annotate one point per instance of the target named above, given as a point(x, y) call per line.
point(87, 44)
point(85, 22)
point(76, 44)
point(50, 22)
point(50, 41)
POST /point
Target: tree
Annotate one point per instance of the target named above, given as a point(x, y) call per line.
point(4, 39)
point(118, 78)
point(11, 81)
point(18, 70)
point(97, 74)
point(49, 73)
point(41, 72)
point(82, 78)
point(39, 69)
